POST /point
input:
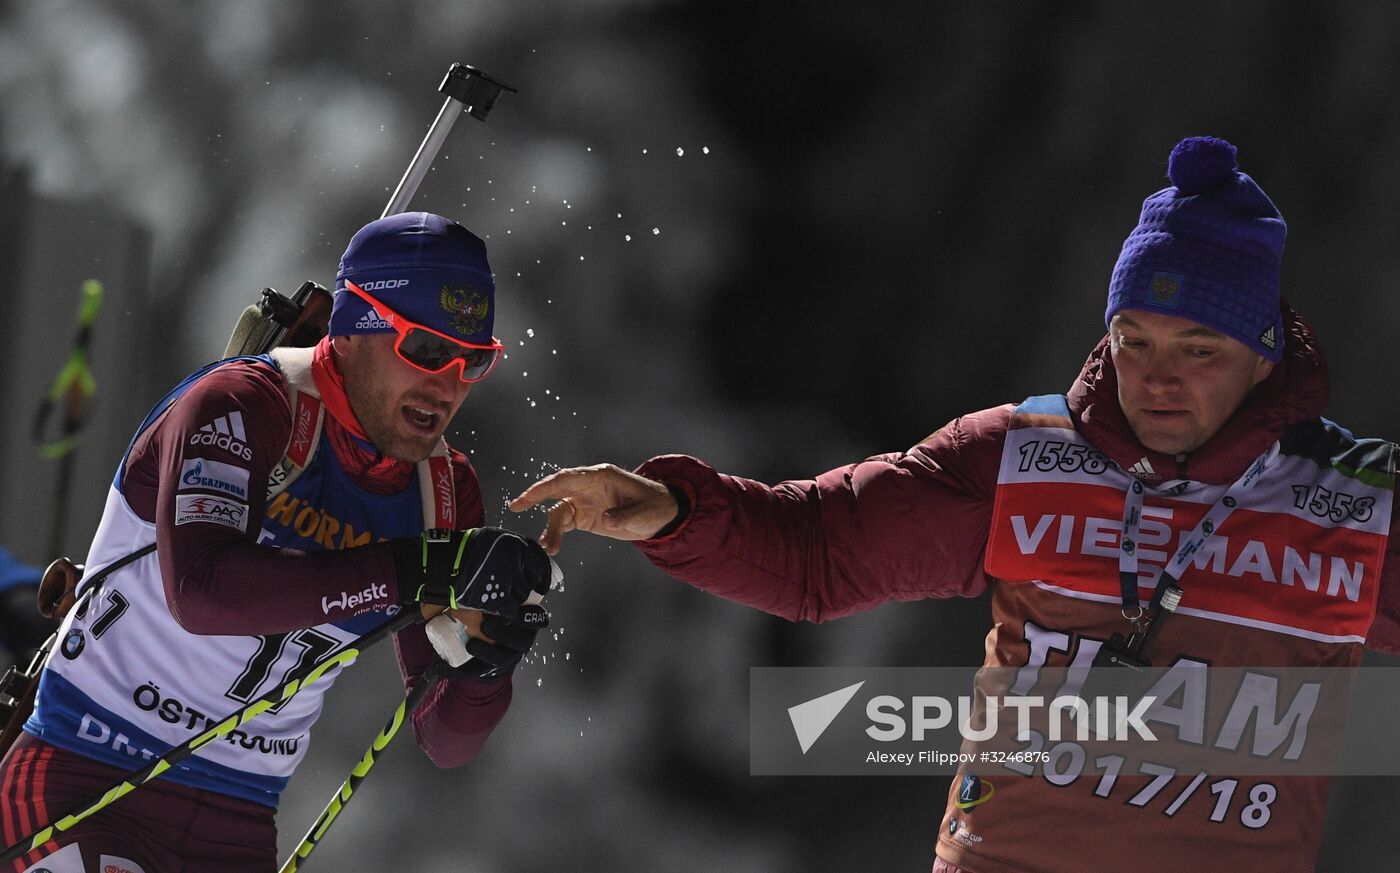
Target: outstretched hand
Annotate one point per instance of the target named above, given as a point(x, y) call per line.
point(603, 499)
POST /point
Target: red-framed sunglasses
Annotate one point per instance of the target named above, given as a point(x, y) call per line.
point(431, 351)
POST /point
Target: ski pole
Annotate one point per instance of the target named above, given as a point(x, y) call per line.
point(234, 720)
point(447, 639)
point(467, 88)
point(426, 683)
point(73, 387)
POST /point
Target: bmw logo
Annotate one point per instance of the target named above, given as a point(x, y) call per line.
point(952, 826)
point(73, 644)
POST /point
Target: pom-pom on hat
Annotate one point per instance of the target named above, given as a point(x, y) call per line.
point(1207, 249)
point(424, 267)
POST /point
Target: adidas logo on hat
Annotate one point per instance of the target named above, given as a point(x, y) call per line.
point(372, 321)
point(1267, 338)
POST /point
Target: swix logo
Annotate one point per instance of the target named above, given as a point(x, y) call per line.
point(1268, 561)
point(384, 284)
point(350, 601)
point(304, 421)
point(443, 484)
point(372, 321)
point(301, 434)
point(225, 432)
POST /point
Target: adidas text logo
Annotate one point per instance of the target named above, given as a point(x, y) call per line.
point(371, 321)
point(225, 432)
point(1268, 338)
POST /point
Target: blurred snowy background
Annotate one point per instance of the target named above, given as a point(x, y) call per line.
point(778, 236)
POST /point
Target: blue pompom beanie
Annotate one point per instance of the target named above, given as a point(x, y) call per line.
point(1206, 249)
point(424, 267)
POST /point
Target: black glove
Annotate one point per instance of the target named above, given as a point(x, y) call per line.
point(491, 663)
point(485, 568)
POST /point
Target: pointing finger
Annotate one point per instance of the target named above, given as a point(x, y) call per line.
point(553, 486)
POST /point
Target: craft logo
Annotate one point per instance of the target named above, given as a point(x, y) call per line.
point(214, 476)
point(198, 507)
point(467, 308)
point(1165, 287)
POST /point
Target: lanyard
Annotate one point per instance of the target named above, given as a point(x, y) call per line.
point(1209, 524)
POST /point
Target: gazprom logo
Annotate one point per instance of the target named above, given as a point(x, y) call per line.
point(213, 476)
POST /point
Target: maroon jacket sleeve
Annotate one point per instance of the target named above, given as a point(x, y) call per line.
point(218, 580)
point(1384, 635)
point(454, 720)
point(894, 527)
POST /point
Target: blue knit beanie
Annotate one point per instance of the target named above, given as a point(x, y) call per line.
point(425, 267)
point(1206, 249)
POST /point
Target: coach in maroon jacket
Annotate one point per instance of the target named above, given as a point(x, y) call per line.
point(1195, 421)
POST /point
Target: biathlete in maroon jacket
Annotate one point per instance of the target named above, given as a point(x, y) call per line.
point(1203, 401)
point(286, 497)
